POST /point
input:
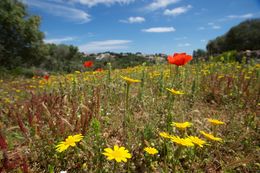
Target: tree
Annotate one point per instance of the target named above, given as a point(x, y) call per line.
point(20, 39)
point(216, 46)
point(199, 53)
point(245, 36)
point(61, 58)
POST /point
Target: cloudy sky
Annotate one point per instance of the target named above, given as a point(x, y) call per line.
point(148, 26)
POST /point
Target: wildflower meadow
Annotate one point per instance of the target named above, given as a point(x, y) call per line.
point(175, 116)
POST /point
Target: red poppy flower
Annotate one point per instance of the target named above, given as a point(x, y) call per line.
point(99, 69)
point(46, 77)
point(179, 59)
point(88, 64)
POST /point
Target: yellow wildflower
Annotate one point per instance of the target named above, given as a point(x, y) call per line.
point(215, 121)
point(210, 136)
point(70, 141)
point(77, 72)
point(220, 76)
point(129, 80)
point(119, 154)
point(175, 91)
point(165, 135)
point(197, 141)
point(182, 141)
point(182, 126)
point(7, 100)
point(151, 150)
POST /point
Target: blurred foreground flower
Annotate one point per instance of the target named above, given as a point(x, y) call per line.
point(119, 154)
point(151, 150)
point(175, 92)
point(215, 121)
point(179, 59)
point(210, 136)
point(181, 126)
point(70, 141)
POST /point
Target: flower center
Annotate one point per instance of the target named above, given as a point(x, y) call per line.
point(117, 154)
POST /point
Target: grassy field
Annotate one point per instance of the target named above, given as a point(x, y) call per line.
point(110, 110)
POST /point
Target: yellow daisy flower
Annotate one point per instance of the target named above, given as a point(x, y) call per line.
point(151, 150)
point(119, 154)
point(129, 80)
point(175, 91)
point(197, 141)
point(70, 141)
point(215, 121)
point(210, 136)
point(165, 135)
point(182, 141)
point(182, 126)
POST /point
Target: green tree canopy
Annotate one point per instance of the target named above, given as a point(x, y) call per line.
point(245, 36)
point(20, 38)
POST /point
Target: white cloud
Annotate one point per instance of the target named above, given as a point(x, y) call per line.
point(106, 45)
point(69, 13)
point(203, 40)
point(216, 27)
point(244, 16)
point(211, 24)
point(177, 11)
point(184, 45)
point(134, 20)
point(91, 3)
point(201, 28)
point(160, 29)
point(59, 40)
point(157, 4)
point(181, 38)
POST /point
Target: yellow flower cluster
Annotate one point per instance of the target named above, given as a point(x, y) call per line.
point(189, 141)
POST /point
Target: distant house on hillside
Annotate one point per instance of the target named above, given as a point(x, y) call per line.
point(104, 56)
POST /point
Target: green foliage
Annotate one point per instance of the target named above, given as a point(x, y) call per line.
point(245, 36)
point(199, 53)
point(226, 57)
point(20, 38)
point(61, 58)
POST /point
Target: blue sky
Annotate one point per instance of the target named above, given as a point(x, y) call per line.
point(147, 26)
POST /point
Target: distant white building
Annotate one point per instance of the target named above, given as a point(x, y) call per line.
point(104, 56)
